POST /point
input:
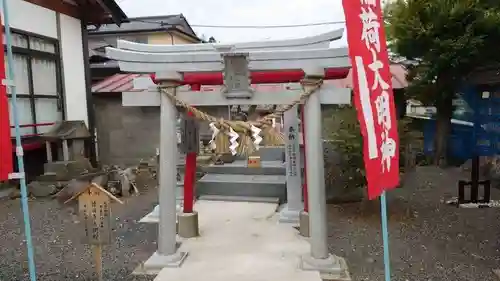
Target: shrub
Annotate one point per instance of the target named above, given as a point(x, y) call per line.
point(343, 130)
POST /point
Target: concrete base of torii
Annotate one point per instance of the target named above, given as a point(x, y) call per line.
point(290, 215)
point(156, 263)
point(247, 243)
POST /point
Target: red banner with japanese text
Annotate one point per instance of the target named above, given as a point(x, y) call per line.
point(373, 95)
point(6, 165)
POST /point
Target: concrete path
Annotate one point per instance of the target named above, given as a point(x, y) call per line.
point(241, 241)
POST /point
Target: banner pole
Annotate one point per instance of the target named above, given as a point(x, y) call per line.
point(385, 237)
point(19, 150)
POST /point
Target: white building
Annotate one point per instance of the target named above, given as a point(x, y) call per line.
point(51, 60)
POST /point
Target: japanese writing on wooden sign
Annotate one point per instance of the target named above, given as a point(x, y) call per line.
point(374, 99)
point(95, 216)
point(190, 140)
point(95, 213)
point(292, 151)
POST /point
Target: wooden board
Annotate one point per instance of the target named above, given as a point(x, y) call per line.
point(254, 162)
point(95, 212)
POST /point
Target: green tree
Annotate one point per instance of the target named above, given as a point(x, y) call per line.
point(446, 40)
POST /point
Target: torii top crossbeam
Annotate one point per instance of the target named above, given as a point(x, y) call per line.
point(294, 54)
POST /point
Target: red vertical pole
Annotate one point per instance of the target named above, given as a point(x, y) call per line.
point(6, 148)
point(190, 172)
point(304, 186)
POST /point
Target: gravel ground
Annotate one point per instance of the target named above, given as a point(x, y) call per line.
point(59, 253)
point(429, 240)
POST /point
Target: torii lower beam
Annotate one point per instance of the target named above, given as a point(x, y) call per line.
point(328, 94)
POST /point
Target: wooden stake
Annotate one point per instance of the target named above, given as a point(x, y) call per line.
point(97, 250)
point(497, 273)
point(136, 190)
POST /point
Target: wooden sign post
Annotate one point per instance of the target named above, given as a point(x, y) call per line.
point(190, 139)
point(291, 211)
point(94, 204)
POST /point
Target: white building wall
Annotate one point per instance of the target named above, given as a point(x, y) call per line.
point(29, 17)
point(38, 20)
point(73, 67)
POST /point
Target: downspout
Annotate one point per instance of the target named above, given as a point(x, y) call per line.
point(91, 145)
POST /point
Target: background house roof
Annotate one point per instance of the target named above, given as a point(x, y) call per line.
point(148, 24)
point(97, 43)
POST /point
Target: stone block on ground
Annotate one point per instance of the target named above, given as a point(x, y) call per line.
point(145, 178)
point(42, 189)
point(15, 193)
point(47, 177)
point(67, 170)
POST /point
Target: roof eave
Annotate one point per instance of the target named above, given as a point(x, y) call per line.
point(146, 30)
point(116, 14)
point(195, 38)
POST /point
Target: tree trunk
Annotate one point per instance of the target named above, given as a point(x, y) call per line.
point(443, 128)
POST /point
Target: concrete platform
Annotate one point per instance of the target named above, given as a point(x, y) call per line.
point(268, 153)
point(273, 186)
point(239, 167)
point(241, 241)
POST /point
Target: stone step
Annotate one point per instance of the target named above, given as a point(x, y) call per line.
point(269, 153)
point(268, 186)
point(274, 200)
point(240, 167)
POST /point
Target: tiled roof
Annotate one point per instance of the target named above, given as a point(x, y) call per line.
point(117, 83)
point(135, 25)
point(145, 24)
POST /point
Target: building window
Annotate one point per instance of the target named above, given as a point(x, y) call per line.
point(38, 82)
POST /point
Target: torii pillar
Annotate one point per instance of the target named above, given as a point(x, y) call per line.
point(167, 254)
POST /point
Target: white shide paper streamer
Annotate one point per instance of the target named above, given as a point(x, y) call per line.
point(233, 140)
point(215, 132)
point(255, 134)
